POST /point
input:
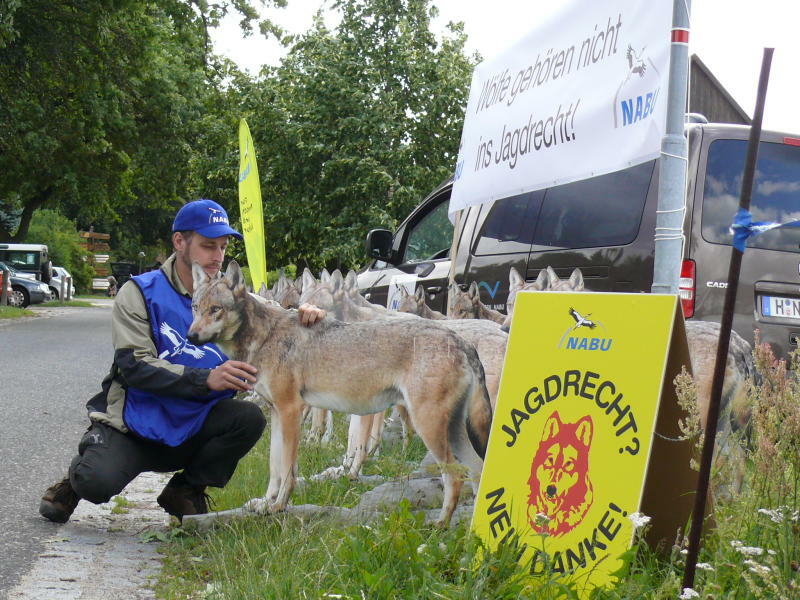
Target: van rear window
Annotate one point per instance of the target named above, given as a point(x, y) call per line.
point(509, 227)
point(776, 193)
point(601, 211)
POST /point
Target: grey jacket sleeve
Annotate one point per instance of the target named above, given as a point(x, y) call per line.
point(135, 352)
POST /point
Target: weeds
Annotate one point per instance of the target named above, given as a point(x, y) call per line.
point(751, 553)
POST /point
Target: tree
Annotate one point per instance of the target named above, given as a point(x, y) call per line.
point(63, 245)
point(98, 106)
point(354, 127)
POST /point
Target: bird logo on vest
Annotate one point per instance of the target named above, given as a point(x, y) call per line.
point(180, 345)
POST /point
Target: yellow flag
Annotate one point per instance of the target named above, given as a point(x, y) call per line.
point(250, 208)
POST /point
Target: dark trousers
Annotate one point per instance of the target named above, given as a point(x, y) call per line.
point(108, 459)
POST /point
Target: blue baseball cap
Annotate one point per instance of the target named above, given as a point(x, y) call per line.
point(206, 217)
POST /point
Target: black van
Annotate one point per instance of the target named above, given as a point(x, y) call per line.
point(605, 227)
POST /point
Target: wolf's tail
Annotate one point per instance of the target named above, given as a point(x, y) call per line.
point(479, 409)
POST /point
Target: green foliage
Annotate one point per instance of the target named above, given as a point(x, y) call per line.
point(354, 127)
point(102, 108)
point(61, 237)
point(116, 113)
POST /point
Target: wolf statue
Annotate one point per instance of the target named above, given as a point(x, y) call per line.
point(359, 368)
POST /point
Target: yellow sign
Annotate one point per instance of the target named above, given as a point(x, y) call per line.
point(572, 431)
point(250, 208)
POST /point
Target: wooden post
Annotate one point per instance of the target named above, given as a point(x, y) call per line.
point(725, 332)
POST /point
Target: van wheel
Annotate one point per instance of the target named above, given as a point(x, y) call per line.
point(19, 297)
point(53, 293)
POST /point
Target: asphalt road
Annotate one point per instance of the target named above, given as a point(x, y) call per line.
point(49, 367)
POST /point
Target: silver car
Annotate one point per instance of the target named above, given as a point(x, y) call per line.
point(59, 275)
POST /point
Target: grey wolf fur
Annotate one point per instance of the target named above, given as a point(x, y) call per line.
point(287, 294)
point(358, 368)
point(468, 305)
point(416, 305)
point(486, 337)
point(348, 305)
point(516, 283)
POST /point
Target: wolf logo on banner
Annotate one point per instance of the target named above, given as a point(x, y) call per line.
point(561, 491)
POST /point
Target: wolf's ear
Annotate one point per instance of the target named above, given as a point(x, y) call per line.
point(452, 293)
point(401, 289)
point(515, 280)
point(551, 427)
point(576, 280)
point(552, 278)
point(235, 278)
point(419, 294)
point(541, 280)
point(584, 430)
point(350, 281)
point(473, 292)
point(199, 276)
point(263, 291)
point(336, 281)
point(324, 276)
point(309, 281)
point(280, 285)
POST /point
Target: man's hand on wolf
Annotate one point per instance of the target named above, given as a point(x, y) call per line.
point(232, 375)
point(238, 375)
point(310, 314)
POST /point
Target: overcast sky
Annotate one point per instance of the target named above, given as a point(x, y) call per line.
point(728, 35)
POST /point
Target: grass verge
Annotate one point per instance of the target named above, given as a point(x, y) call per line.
point(12, 312)
point(753, 553)
point(56, 303)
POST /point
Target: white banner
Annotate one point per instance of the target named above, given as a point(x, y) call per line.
point(583, 94)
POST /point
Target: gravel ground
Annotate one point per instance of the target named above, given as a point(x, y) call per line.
point(99, 555)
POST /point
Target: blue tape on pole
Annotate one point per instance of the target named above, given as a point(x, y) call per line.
point(744, 227)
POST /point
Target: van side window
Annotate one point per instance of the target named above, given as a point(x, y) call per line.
point(601, 211)
point(776, 193)
point(509, 227)
point(430, 237)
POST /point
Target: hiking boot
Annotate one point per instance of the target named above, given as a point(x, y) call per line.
point(59, 502)
point(183, 499)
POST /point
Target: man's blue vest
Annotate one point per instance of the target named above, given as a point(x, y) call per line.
point(170, 420)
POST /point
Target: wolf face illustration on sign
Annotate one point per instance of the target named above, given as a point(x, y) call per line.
point(560, 489)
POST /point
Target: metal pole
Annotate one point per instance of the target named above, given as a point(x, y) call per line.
point(61, 295)
point(725, 332)
point(672, 168)
point(69, 287)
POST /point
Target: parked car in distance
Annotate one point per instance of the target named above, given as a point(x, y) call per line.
point(59, 276)
point(26, 289)
point(28, 258)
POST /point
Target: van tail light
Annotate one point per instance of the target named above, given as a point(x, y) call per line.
point(687, 287)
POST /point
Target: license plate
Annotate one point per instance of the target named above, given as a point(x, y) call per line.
point(775, 306)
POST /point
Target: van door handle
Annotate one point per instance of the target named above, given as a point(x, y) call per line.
point(434, 289)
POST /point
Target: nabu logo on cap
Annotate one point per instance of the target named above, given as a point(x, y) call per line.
point(217, 216)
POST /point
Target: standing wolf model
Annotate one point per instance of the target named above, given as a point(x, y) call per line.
point(468, 305)
point(343, 300)
point(359, 368)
